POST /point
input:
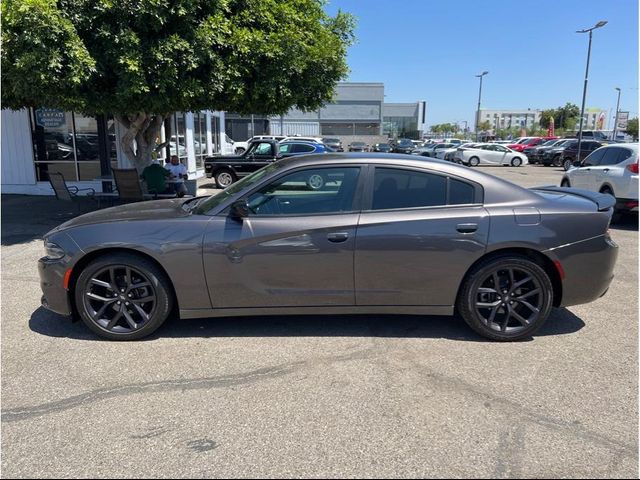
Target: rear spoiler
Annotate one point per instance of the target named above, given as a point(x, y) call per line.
point(604, 201)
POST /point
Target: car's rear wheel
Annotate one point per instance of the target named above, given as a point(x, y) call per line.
point(516, 162)
point(123, 296)
point(566, 164)
point(224, 178)
point(506, 298)
point(474, 161)
point(557, 161)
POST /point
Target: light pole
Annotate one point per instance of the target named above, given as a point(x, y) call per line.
point(601, 23)
point(615, 124)
point(479, 97)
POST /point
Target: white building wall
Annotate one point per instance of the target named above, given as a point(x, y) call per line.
point(17, 150)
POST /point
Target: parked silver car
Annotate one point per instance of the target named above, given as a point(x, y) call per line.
point(337, 234)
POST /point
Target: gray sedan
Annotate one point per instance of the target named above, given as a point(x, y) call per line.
point(337, 234)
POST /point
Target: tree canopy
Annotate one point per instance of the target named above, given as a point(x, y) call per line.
point(142, 60)
point(632, 127)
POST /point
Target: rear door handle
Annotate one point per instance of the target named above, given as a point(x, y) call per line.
point(467, 227)
point(337, 237)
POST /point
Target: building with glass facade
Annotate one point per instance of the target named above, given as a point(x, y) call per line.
point(357, 113)
point(38, 141)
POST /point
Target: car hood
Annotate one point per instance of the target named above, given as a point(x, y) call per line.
point(151, 210)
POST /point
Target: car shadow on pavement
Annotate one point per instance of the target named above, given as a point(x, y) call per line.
point(626, 222)
point(560, 322)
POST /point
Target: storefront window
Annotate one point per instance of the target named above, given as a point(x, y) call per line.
point(178, 142)
point(52, 135)
point(200, 138)
point(337, 129)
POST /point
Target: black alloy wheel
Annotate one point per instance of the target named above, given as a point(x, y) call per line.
point(567, 164)
point(506, 298)
point(123, 296)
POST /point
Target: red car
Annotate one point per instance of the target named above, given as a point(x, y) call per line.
point(532, 142)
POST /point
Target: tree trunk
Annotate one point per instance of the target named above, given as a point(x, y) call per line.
point(141, 138)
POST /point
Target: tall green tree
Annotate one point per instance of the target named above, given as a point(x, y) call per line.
point(143, 60)
point(632, 128)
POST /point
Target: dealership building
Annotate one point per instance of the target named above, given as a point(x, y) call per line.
point(357, 112)
point(84, 148)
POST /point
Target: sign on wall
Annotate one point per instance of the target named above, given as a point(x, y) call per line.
point(50, 117)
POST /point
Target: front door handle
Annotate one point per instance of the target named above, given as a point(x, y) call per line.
point(467, 227)
point(337, 237)
point(605, 170)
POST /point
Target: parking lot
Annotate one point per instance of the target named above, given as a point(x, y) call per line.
point(320, 396)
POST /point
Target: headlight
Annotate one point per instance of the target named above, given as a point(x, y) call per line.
point(53, 251)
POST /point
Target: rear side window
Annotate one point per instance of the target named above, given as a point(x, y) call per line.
point(610, 156)
point(394, 188)
point(302, 148)
point(460, 192)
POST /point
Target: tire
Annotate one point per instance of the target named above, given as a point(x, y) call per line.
point(224, 178)
point(239, 151)
point(474, 161)
point(490, 321)
point(557, 161)
point(566, 164)
point(565, 183)
point(144, 281)
point(516, 162)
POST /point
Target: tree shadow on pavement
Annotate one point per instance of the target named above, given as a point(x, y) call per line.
point(560, 322)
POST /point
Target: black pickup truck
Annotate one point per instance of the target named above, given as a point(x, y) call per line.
point(226, 169)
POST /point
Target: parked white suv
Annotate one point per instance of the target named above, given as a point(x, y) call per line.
point(611, 169)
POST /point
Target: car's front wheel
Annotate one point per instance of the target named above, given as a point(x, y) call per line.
point(567, 164)
point(123, 296)
point(474, 161)
point(506, 298)
point(224, 178)
point(516, 162)
point(565, 183)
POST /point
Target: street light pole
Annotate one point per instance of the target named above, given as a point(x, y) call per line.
point(615, 124)
point(601, 23)
point(479, 97)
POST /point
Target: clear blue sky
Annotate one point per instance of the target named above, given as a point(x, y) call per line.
point(430, 50)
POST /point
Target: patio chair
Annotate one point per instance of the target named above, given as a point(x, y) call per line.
point(67, 193)
point(129, 187)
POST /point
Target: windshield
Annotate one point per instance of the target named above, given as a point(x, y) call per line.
point(206, 204)
point(331, 140)
point(405, 142)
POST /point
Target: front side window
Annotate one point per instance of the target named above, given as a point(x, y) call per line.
point(595, 158)
point(307, 192)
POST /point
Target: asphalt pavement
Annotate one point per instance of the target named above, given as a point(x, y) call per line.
point(320, 396)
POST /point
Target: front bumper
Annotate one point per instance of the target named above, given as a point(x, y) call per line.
point(54, 296)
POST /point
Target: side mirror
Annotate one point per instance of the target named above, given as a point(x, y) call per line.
point(239, 209)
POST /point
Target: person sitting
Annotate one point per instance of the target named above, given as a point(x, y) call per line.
point(178, 174)
point(156, 178)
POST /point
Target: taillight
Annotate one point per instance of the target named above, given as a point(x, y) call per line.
point(633, 168)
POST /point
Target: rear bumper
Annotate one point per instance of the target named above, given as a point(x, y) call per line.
point(588, 268)
point(627, 204)
point(54, 296)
